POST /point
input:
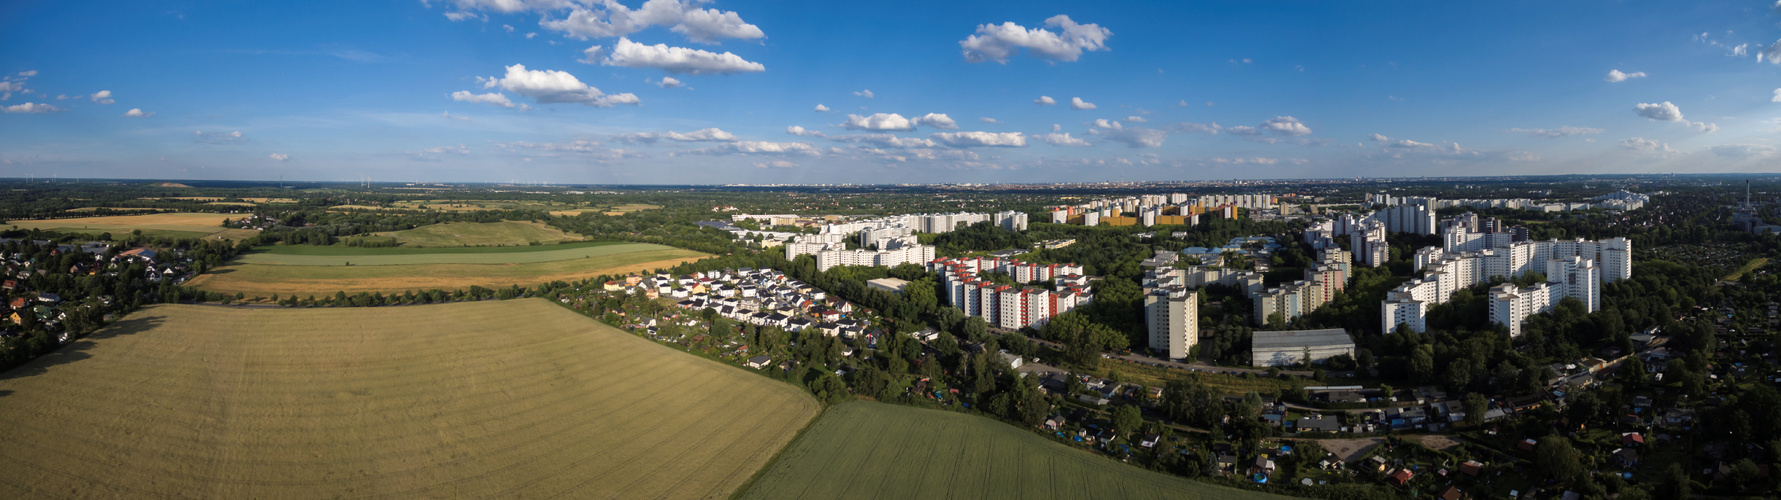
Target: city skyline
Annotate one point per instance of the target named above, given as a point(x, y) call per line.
point(734, 92)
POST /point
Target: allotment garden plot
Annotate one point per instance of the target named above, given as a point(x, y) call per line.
point(318, 271)
point(875, 450)
point(509, 399)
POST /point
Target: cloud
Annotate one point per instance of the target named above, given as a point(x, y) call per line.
point(629, 54)
point(669, 82)
point(994, 42)
point(1670, 113)
point(1772, 53)
point(1659, 111)
point(896, 122)
point(1197, 128)
point(979, 139)
point(1777, 97)
point(1135, 137)
point(886, 140)
point(762, 148)
point(701, 135)
point(456, 150)
point(1045, 100)
point(102, 97)
point(1243, 130)
point(218, 137)
point(138, 113)
point(1136, 119)
point(465, 16)
point(1742, 151)
point(775, 164)
point(864, 93)
point(495, 98)
point(279, 157)
point(937, 120)
point(1557, 133)
point(1615, 75)
point(1057, 139)
point(580, 147)
point(821, 108)
point(1284, 126)
point(30, 107)
point(592, 55)
point(608, 19)
point(986, 119)
point(550, 86)
point(1642, 144)
point(1078, 103)
point(450, 116)
point(802, 132)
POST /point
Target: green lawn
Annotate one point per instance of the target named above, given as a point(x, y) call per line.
point(306, 255)
point(874, 450)
point(1753, 265)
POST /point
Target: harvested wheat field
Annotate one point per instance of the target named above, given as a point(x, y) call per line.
point(508, 399)
point(249, 276)
point(184, 225)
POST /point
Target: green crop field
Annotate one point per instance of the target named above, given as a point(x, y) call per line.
point(476, 234)
point(427, 271)
point(312, 255)
point(875, 450)
point(500, 399)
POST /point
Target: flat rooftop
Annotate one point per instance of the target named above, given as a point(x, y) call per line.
point(1302, 338)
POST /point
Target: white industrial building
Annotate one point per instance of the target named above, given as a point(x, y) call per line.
point(1281, 348)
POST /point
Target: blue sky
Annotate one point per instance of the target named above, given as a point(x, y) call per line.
point(337, 90)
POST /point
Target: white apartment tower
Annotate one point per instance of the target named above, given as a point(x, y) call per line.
point(1173, 317)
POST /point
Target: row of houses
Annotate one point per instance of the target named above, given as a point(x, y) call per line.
point(765, 297)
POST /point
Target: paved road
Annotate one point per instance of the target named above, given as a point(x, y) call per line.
point(1198, 366)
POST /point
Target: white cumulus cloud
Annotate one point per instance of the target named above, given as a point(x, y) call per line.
point(551, 86)
point(1136, 119)
point(138, 113)
point(775, 164)
point(701, 135)
point(986, 119)
point(1045, 100)
point(802, 132)
point(1643, 144)
point(608, 18)
point(821, 108)
point(864, 93)
point(495, 98)
point(1667, 112)
point(1063, 139)
point(102, 97)
point(1557, 133)
point(218, 137)
point(629, 54)
point(1135, 137)
point(976, 139)
point(878, 121)
point(1078, 103)
point(1198, 128)
point(1284, 125)
point(279, 157)
point(1615, 75)
point(30, 107)
point(996, 42)
point(762, 148)
point(936, 120)
point(1777, 97)
point(886, 140)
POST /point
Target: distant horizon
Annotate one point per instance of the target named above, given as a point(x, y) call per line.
point(926, 92)
point(376, 183)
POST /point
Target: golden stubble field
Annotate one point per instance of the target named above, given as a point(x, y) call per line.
point(504, 399)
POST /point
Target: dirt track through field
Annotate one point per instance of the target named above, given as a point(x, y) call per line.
point(500, 399)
